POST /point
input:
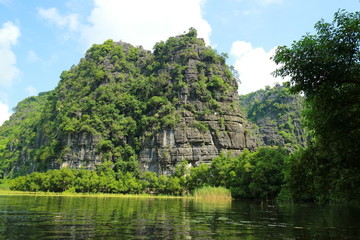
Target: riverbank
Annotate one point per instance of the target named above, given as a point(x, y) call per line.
point(4, 192)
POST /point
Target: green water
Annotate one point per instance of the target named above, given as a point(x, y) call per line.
point(44, 217)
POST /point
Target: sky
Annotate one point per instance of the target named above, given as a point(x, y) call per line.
point(40, 38)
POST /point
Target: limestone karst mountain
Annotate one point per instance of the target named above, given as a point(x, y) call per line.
point(132, 107)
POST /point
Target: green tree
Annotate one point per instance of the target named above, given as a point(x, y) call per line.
point(326, 68)
point(150, 181)
point(198, 177)
point(174, 186)
point(267, 175)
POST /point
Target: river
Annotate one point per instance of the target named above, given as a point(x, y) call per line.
point(62, 217)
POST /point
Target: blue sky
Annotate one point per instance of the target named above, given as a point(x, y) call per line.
point(40, 38)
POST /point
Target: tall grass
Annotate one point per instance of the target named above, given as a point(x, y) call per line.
point(212, 193)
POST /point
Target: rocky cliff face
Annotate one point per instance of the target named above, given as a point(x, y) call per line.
point(81, 151)
point(187, 142)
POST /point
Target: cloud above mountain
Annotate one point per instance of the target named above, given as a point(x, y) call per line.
point(254, 66)
point(139, 22)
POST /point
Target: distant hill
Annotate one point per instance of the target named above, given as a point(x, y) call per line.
point(276, 116)
point(18, 136)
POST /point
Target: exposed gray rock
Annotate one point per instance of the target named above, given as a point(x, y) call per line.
point(81, 151)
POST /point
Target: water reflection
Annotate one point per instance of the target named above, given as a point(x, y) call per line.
point(42, 217)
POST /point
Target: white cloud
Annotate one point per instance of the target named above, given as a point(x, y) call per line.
point(52, 15)
point(254, 66)
point(144, 22)
point(9, 34)
point(31, 91)
point(4, 112)
point(138, 22)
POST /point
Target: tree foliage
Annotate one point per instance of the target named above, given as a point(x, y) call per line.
point(326, 68)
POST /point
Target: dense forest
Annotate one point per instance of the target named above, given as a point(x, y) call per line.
point(121, 99)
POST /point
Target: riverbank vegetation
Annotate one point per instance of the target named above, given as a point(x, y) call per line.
point(257, 175)
point(7, 192)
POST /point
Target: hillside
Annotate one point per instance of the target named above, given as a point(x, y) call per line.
point(276, 116)
point(132, 107)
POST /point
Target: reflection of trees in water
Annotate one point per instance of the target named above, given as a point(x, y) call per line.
point(24, 217)
point(85, 217)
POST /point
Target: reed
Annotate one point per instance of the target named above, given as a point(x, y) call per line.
point(212, 193)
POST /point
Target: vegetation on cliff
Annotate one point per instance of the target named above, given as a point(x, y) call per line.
point(18, 136)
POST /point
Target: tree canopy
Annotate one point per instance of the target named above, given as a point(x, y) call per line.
point(326, 67)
